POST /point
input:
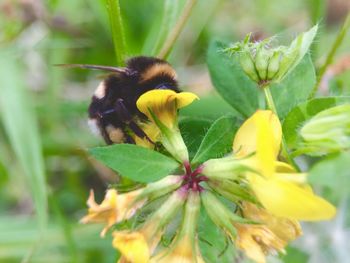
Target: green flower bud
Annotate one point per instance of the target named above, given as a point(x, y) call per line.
point(232, 191)
point(161, 187)
point(274, 64)
point(262, 61)
point(172, 140)
point(248, 66)
point(163, 215)
point(220, 214)
point(328, 131)
point(224, 168)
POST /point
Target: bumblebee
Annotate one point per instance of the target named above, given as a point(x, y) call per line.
point(112, 111)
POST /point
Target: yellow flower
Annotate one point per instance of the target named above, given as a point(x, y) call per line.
point(153, 133)
point(272, 235)
point(160, 106)
point(279, 192)
point(286, 229)
point(113, 209)
point(132, 246)
point(257, 241)
point(184, 248)
point(164, 105)
point(184, 251)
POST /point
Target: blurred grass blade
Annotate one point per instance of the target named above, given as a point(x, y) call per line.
point(20, 124)
point(330, 56)
point(175, 32)
point(169, 16)
point(115, 19)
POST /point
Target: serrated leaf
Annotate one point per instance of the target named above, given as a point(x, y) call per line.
point(134, 162)
point(295, 88)
point(333, 173)
point(303, 112)
point(230, 80)
point(218, 140)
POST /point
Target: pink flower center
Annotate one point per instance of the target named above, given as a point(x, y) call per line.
point(192, 178)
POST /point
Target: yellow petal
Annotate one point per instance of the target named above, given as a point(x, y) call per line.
point(266, 150)
point(284, 228)
point(132, 246)
point(245, 141)
point(286, 199)
point(164, 104)
point(113, 209)
point(152, 131)
point(284, 167)
point(106, 212)
point(185, 98)
point(257, 241)
point(183, 252)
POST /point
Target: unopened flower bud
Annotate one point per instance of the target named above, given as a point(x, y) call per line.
point(262, 64)
point(274, 64)
point(224, 168)
point(161, 187)
point(248, 66)
point(232, 191)
point(329, 130)
point(262, 61)
point(220, 214)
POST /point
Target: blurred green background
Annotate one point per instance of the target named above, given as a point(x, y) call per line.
point(45, 172)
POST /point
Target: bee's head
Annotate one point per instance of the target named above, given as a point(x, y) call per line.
point(153, 73)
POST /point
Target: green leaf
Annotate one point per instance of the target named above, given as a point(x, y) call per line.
point(218, 140)
point(193, 131)
point(134, 162)
point(21, 127)
point(212, 242)
point(230, 80)
point(295, 88)
point(295, 255)
point(243, 94)
point(211, 107)
point(115, 19)
point(333, 173)
point(303, 112)
point(295, 52)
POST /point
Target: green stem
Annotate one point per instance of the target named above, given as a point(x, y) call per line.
point(168, 20)
point(330, 56)
point(272, 106)
point(174, 34)
point(115, 19)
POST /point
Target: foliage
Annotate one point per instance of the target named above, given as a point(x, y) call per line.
point(44, 168)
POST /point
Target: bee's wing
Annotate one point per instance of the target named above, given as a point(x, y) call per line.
point(97, 67)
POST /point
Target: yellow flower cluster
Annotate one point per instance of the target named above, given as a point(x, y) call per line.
point(270, 196)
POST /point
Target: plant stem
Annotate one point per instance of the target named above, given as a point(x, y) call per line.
point(173, 35)
point(330, 56)
point(115, 19)
point(272, 106)
point(169, 17)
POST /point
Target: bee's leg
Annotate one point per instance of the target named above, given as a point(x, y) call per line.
point(129, 139)
point(126, 117)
